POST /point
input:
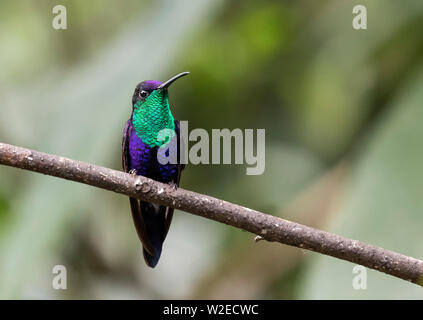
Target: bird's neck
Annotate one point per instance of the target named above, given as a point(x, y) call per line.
point(151, 117)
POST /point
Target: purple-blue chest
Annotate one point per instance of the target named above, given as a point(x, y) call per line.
point(143, 159)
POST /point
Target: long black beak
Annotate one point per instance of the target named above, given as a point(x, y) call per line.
point(166, 84)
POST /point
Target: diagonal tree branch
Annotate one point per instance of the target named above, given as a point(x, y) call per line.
point(268, 227)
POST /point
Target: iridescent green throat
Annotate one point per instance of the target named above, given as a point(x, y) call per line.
point(151, 116)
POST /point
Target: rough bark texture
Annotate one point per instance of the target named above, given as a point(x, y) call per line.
point(269, 227)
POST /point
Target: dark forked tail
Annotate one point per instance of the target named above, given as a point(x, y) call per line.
point(154, 219)
point(150, 223)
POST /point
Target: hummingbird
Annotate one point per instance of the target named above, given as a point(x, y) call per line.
point(141, 145)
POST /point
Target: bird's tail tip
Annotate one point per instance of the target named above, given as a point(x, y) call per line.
point(151, 260)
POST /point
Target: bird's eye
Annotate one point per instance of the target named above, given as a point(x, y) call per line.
point(143, 94)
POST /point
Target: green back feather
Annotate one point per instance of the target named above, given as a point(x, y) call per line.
point(152, 116)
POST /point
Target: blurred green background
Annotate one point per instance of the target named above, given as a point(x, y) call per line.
point(342, 109)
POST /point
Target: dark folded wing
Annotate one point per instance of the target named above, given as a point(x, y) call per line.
point(125, 147)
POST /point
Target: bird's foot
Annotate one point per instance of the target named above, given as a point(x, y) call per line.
point(173, 185)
